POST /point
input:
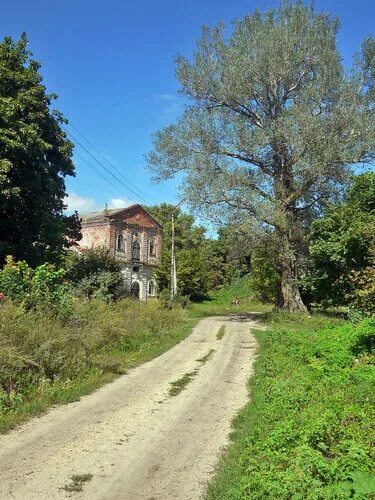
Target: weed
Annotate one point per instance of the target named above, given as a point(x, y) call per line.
point(46, 360)
point(179, 385)
point(220, 334)
point(77, 482)
point(206, 357)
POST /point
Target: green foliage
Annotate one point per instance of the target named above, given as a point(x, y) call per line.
point(46, 359)
point(178, 300)
point(94, 274)
point(274, 125)
point(193, 268)
point(340, 244)
point(265, 280)
point(101, 285)
point(308, 430)
point(44, 286)
point(362, 297)
point(92, 261)
point(35, 157)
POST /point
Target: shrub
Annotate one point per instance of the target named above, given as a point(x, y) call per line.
point(363, 296)
point(44, 286)
point(102, 285)
point(94, 261)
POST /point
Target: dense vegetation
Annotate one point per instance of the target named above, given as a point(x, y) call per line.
point(308, 431)
point(47, 359)
point(35, 158)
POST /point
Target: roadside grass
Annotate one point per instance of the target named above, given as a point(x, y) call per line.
point(220, 334)
point(98, 344)
point(308, 431)
point(77, 482)
point(218, 303)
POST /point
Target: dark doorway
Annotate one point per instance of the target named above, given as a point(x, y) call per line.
point(135, 290)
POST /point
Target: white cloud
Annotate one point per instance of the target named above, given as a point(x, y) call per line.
point(80, 203)
point(167, 97)
point(119, 203)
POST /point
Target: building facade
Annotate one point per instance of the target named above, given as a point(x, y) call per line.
point(134, 238)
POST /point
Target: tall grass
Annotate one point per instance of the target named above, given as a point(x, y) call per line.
point(46, 360)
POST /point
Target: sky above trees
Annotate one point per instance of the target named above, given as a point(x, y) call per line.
point(112, 66)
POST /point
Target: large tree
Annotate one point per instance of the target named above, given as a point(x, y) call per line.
point(35, 157)
point(274, 125)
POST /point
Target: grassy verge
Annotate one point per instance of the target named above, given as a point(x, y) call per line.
point(45, 362)
point(219, 303)
point(308, 431)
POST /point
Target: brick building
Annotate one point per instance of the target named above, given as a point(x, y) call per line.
point(134, 238)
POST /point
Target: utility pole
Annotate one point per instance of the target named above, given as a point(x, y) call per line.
point(173, 254)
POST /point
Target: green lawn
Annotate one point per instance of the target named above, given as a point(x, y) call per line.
point(308, 431)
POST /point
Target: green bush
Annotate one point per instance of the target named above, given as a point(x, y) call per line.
point(94, 261)
point(94, 274)
point(102, 285)
point(44, 286)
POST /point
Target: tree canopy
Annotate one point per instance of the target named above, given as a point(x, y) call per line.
point(342, 244)
point(274, 126)
point(193, 269)
point(35, 157)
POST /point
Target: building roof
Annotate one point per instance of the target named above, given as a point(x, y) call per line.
point(104, 215)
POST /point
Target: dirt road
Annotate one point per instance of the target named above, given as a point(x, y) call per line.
point(134, 438)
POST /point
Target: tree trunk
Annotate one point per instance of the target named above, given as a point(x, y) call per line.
point(289, 296)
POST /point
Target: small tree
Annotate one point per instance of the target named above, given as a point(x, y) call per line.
point(35, 157)
point(274, 126)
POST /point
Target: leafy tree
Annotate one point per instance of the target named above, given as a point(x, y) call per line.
point(274, 125)
point(94, 274)
point(93, 261)
point(35, 157)
point(230, 254)
point(340, 245)
point(193, 268)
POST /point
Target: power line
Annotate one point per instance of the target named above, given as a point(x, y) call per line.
point(100, 174)
point(103, 166)
point(109, 163)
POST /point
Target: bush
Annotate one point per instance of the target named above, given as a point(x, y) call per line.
point(94, 274)
point(44, 286)
point(95, 260)
point(363, 296)
point(102, 285)
point(178, 300)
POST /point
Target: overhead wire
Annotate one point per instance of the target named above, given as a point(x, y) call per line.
point(139, 193)
point(100, 174)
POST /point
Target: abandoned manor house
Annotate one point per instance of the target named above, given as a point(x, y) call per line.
point(134, 238)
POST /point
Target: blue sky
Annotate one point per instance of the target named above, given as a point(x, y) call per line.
point(111, 64)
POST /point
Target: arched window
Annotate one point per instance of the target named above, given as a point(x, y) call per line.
point(152, 248)
point(120, 243)
point(136, 251)
point(151, 288)
point(134, 291)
